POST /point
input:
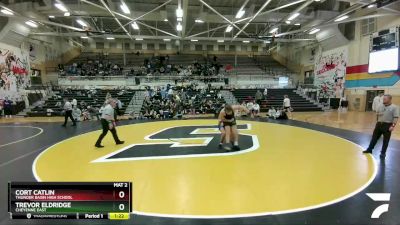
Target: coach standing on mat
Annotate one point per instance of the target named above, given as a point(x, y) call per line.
point(108, 123)
point(68, 113)
point(387, 115)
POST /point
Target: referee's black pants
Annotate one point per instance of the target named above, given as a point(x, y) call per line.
point(106, 128)
point(381, 128)
point(68, 114)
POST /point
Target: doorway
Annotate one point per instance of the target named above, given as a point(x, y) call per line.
point(370, 98)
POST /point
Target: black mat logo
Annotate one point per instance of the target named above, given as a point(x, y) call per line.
point(181, 142)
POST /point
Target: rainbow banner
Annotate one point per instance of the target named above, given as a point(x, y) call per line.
point(358, 76)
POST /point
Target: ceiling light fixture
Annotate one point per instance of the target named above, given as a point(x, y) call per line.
point(165, 20)
point(84, 37)
point(167, 39)
point(179, 12)
point(240, 14)
point(273, 30)
point(6, 11)
point(52, 17)
point(61, 7)
point(194, 40)
point(297, 24)
point(124, 8)
point(179, 19)
point(67, 14)
point(135, 26)
point(139, 39)
point(220, 41)
point(179, 27)
point(110, 38)
point(31, 23)
point(81, 22)
point(342, 18)
point(198, 21)
point(313, 31)
point(246, 41)
point(287, 22)
point(371, 6)
point(292, 17)
point(229, 29)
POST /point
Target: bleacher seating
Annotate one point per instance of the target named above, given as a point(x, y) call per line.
point(198, 102)
point(275, 99)
point(95, 101)
point(185, 59)
point(270, 65)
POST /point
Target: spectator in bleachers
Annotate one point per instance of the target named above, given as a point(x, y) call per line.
point(219, 95)
point(74, 102)
point(250, 105)
point(271, 113)
point(258, 97)
point(49, 112)
point(118, 107)
point(265, 93)
point(58, 104)
point(256, 110)
point(83, 104)
point(76, 113)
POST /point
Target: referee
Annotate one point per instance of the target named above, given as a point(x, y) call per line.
point(68, 113)
point(387, 116)
point(108, 123)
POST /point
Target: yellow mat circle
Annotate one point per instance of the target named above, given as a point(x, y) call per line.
point(293, 169)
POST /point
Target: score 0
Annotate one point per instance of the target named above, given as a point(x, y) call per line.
point(121, 194)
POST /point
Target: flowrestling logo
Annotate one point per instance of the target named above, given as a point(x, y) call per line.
point(379, 197)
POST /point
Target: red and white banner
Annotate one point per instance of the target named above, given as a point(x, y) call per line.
point(330, 71)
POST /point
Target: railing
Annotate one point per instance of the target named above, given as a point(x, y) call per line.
point(260, 81)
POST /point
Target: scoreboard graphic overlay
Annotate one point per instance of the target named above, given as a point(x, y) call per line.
point(76, 200)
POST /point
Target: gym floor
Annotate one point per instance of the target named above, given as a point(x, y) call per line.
point(309, 170)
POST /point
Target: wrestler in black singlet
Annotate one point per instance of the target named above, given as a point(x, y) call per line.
point(229, 117)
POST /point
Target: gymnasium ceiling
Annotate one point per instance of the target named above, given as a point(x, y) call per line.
point(203, 20)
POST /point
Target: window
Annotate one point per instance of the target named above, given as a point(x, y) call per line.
point(368, 26)
point(138, 46)
point(232, 48)
point(221, 47)
point(112, 45)
point(86, 44)
point(150, 46)
point(210, 47)
point(254, 48)
point(100, 45)
point(198, 47)
point(127, 46)
point(162, 46)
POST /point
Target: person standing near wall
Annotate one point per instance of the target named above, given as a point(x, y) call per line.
point(287, 106)
point(258, 97)
point(378, 101)
point(387, 115)
point(8, 107)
